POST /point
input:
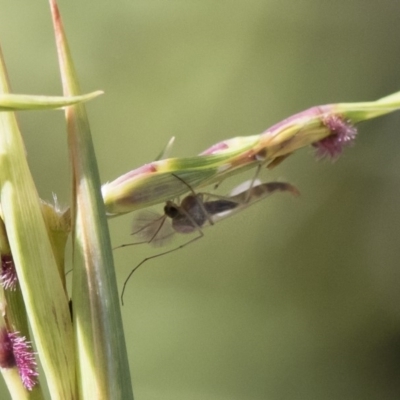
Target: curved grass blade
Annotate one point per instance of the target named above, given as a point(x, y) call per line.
point(21, 102)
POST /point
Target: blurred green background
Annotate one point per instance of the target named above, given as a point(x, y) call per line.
point(293, 298)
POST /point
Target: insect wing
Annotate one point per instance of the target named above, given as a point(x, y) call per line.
point(152, 228)
point(244, 187)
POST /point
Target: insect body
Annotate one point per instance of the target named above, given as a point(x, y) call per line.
point(194, 211)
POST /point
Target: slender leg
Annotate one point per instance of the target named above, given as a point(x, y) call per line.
point(201, 234)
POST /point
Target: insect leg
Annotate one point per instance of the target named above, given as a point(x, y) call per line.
point(201, 234)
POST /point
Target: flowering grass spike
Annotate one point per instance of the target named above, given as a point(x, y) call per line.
point(16, 351)
point(328, 128)
point(8, 275)
point(343, 134)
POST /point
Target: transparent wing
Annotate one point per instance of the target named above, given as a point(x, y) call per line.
point(152, 228)
point(244, 187)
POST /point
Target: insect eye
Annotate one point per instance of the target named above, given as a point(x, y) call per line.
point(171, 210)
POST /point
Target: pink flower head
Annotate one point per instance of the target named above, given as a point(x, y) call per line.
point(15, 350)
point(8, 275)
point(7, 359)
point(342, 134)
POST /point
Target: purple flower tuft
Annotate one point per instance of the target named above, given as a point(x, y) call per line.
point(23, 357)
point(7, 359)
point(342, 134)
point(8, 275)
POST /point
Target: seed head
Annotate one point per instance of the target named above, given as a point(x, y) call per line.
point(16, 351)
point(342, 134)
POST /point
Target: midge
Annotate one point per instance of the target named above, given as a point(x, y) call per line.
point(194, 212)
